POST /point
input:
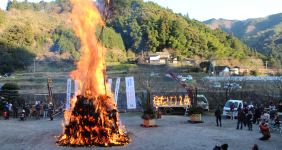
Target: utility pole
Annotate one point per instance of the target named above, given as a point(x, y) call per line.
point(33, 65)
point(266, 66)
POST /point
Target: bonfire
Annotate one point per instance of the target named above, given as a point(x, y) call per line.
point(93, 116)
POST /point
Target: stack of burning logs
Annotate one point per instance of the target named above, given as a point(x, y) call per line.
point(91, 125)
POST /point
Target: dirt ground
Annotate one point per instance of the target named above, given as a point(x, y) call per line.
point(173, 133)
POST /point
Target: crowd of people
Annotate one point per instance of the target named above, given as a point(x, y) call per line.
point(248, 115)
point(26, 112)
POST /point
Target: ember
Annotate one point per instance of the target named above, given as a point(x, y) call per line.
point(93, 118)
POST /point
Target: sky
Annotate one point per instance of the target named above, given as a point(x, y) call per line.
point(207, 9)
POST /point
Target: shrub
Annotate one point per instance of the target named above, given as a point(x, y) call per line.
point(195, 110)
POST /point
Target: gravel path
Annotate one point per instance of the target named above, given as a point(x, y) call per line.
point(173, 133)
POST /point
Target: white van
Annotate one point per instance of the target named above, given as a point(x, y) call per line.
point(226, 109)
point(203, 102)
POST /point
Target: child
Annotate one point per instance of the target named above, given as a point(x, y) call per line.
point(22, 115)
point(5, 114)
point(276, 121)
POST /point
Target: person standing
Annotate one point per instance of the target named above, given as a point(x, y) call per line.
point(245, 118)
point(51, 109)
point(27, 111)
point(263, 118)
point(256, 116)
point(217, 114)
point(7, 107)
point(16, 108)
point(261, 109)
point(251, 107)
point(239, 108)
point(241, 116)
point(38, 110)
point(24, 107)
point(265, 132)
point(270, 103)
point(232, 106)
point(249, 121)
point(45, 109)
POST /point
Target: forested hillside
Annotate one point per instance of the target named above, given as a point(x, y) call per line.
point(261, 34)
point(44, 30)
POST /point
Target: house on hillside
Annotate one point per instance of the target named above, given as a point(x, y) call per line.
point(242, 69)
point(159, 58)
point(222, 70)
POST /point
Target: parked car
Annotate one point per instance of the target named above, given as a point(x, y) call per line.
point(153, 74)
point(168, 75)
point(7, 74)
point(189, 78)
point(216, 85)
point(181, 78)
point(203, 102)
point(232, 86)
point(226, 109)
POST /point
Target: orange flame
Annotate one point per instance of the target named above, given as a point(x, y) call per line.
point(90, 75)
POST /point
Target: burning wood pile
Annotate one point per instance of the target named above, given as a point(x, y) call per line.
point(89, 126)
point(93, 117)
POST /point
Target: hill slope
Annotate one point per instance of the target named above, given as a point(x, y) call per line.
point(262, 34)
point(136, 27)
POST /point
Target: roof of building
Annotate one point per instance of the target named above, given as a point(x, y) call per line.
point(242, 67)
point(162, 53)
point(220, 68)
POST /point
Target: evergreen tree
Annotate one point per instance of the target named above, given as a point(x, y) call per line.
point(2, 16)
point(14, 4)
point(9, 5)
point(20, 6)
point(26, 5)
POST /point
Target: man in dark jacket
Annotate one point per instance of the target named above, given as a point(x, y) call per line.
point(256, 115)
point(249, 120)
point(241, 116)
point(16, 108)
point(45, 108)
point(51, 109)
point(261, 109)
point(217, 114)
point(246, 112)
point(24, 107)
point(38, 110)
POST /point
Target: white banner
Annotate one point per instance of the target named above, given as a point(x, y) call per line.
point(75, 87)
point(130, 93)
point(110, 81)
point(117, 88)
point(68, 94)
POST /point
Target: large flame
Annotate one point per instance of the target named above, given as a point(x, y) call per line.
point(106, 128)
